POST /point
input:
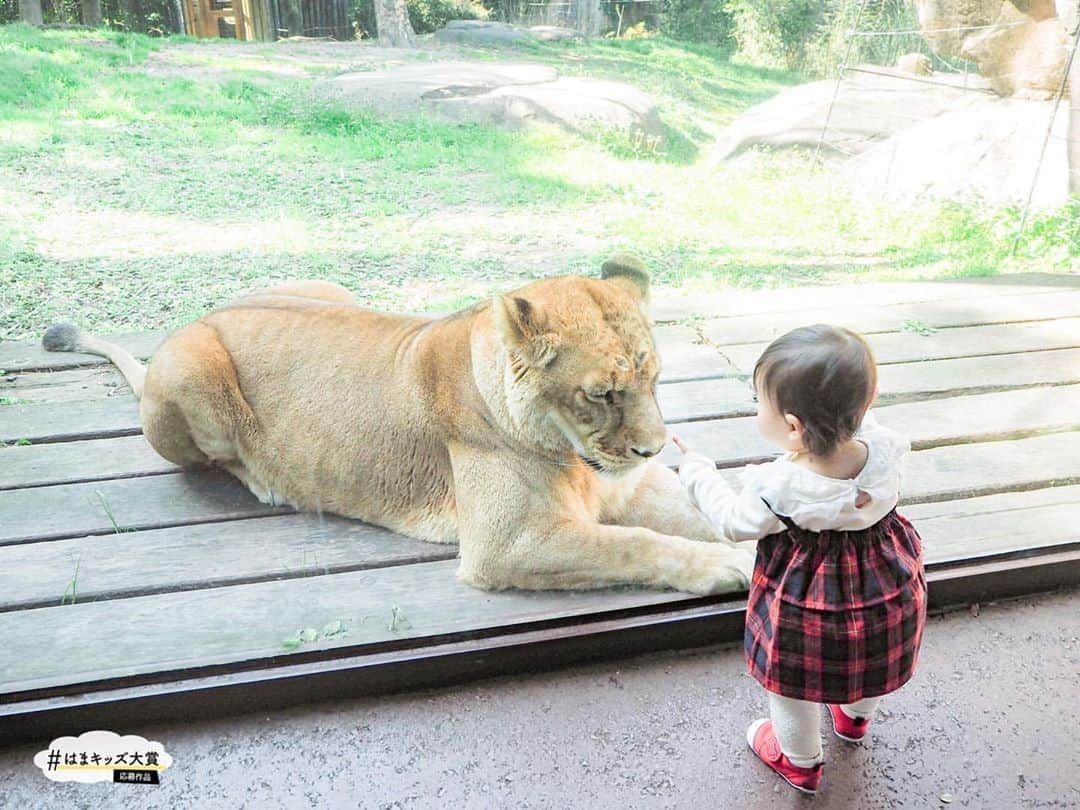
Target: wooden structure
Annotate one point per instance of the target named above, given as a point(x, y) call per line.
point(267, 20)
point(130, 590)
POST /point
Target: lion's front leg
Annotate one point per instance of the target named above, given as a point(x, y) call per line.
point(518, 531)
point(655, 500)
point(573, 555)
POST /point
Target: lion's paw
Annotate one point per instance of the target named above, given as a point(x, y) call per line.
point(728, 571)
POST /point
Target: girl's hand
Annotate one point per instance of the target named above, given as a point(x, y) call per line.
point(680, 444)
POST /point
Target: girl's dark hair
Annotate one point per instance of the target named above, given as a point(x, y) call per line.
point(825, 375)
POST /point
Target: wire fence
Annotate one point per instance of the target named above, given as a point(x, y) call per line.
point(956, 77)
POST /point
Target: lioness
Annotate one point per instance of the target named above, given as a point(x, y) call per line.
point(522, 428)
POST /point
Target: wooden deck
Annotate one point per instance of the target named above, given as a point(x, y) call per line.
point(187, 590)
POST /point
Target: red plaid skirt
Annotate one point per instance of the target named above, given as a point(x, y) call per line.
point(836, 616)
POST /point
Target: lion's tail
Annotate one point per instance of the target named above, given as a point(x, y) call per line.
point(66, 337)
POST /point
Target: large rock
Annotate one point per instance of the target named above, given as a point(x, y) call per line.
point(1020, 46)
point(988, 149)
point(1020, 56)
point(481, 32)
point(509, 95)
point(554, 33)
point(943, 22)
point(894, 139)
point(867, 108)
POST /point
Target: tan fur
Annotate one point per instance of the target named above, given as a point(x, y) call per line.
point(468, 429)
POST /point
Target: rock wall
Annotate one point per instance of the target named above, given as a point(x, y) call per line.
point(1020, 47)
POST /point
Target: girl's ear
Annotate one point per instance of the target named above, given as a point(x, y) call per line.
point(795, 429)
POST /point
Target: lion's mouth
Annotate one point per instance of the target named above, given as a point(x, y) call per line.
point(593, 464)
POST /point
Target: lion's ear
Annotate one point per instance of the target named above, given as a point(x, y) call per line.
point(628, 272)
point(524, 330)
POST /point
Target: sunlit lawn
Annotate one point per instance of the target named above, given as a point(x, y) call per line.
point(134, 197)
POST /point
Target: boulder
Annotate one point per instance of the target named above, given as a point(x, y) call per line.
point(893, 139)
point(942, 21)
point(507, 95)
point(1020, 56)
point(553, 33)
point(989, 149)
point(1020, 46)
point(867, 108)
point(481, 32)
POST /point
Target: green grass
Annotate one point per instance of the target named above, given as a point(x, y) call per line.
point(144, 181)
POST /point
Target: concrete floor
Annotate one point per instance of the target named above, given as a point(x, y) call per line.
point(988, 722)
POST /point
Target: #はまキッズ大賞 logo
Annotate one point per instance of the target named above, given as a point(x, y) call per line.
point(104, 756)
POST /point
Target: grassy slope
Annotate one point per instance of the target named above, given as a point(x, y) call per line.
point(133, 196)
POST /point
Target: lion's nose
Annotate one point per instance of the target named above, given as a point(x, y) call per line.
point(648, 452)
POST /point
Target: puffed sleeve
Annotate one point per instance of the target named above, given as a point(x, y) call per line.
point(739, 515)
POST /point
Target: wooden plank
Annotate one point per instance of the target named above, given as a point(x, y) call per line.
point(935, 378)
point(668, 304)
point(289, 546)
point(997, 524)
point(231, 689)
point(697, 400)
point(731, 441)
point(927, 424)
point(1004, 415)
point(27, 355)
point(874, 319)
point(100, 507)
point(963, 471)
point(677, 304)
point(963, 341)
point(205, 556)
point(249, 622)
point(967, 471)
point(71, 385)
point(68, 421)
point(683, 357)
point(705, 399)
point(73, 462)
point(421, 603)
point(989, 505)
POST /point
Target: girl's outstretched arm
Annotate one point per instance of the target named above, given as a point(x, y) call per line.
point(737, 515)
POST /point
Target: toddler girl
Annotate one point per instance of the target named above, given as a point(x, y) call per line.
point(838, 597)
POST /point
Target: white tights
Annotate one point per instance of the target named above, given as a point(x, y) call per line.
point(797, 725)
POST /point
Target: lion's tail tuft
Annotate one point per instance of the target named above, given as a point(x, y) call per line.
point(62, 337)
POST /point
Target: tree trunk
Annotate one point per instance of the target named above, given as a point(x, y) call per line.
point(129, 14)
point(392, 24)
point(292, 17)
point(1074, 111)
point(30, 12)
point(587, 16)
point(91, 13)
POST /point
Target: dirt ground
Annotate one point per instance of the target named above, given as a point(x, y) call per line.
point(987, 722)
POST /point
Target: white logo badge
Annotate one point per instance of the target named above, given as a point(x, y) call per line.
point(103, 756)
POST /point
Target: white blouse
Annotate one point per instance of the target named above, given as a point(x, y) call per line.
point(813, 501)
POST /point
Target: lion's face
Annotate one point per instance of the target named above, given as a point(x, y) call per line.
point(583, 368)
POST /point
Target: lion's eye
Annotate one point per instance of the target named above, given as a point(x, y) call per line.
point(607, 397)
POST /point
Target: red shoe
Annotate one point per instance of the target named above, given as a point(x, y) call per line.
point(847, 728)
point(763, 742)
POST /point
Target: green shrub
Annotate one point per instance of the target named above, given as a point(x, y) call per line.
point(778, 32)
point(431, 15)
point(708, 21)
point(813, 36)
point(155, 17)
point(425, 15)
